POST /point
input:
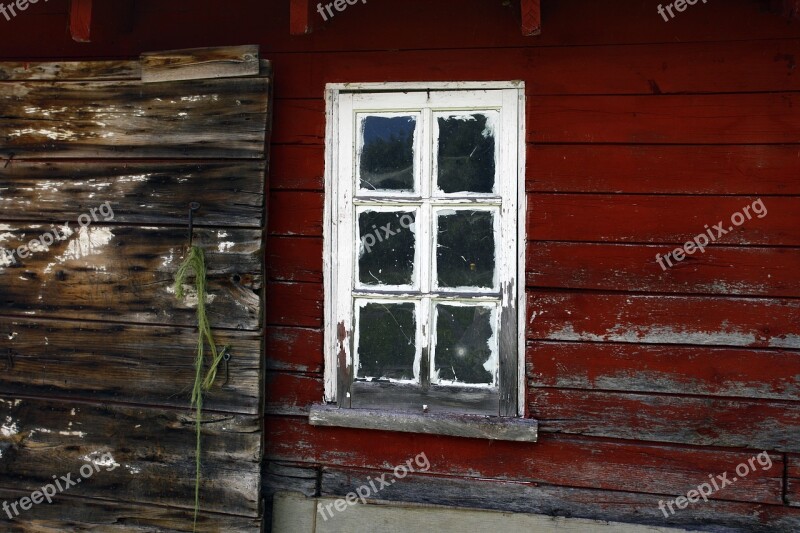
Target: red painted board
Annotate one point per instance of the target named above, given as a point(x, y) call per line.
point(80, 20)
point(572, 462)
point(723, 270)
point(684, 370)
point(664, 319)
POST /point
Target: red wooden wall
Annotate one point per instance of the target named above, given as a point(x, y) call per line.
point(640, 132)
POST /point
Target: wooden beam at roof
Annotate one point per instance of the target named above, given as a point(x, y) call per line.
point(301, 21)
point(80, 20)
point(791, 9)
point(531, 17)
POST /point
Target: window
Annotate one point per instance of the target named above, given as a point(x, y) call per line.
point(424, 248)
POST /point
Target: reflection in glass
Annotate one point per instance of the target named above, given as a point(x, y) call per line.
point(386, 255)
point(387, 341)
point(465, 255)
point(463, 344)
point(467, 153)
point(387, 153)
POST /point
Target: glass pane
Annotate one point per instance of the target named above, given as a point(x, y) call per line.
point(466, 152)
point(386, 341)
point(387, 153)
point(386, 255)
point(464, 339)
point(465, 254)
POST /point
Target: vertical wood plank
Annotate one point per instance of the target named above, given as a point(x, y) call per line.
point(80, 20)
point(531, 17)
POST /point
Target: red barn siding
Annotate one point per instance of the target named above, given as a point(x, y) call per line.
point(640, 132)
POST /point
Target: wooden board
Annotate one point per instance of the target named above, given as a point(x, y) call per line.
point(555, 460)
point(294, 304)
point(770, 425)
point(70, 70)
point(295, 349)
point(664, 169)
point(626, 506)
point(653, 319)
point(662, 219)
point(197, 118)
point(200, 63)
point(681, 370)
point(145, 365)
point(793, 480)
point(688, 67)
point(126, 273)
point(45, 438)
point(723, 270)
point(230, 193)
point(68, 513)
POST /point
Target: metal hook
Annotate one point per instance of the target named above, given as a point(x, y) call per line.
point(193, 207)
point(226, 356)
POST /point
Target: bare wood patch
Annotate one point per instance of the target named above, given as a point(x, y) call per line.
point(200, 63)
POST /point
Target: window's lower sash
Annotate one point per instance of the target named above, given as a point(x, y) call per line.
point(456, 425)
point(413, 398)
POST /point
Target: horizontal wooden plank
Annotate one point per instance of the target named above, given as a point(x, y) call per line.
point(126, 273)
point(688, 67)
point(70, 70)
point(793, 480)
point(725, 270)
point(664, 169)
point(151, 453)
point(296, 213)
point(146, 365)
point(758, 118)
point(760, 425)
point(294, 349)
point(296, 166)
point(68, 513)
point(198, 118)
point(708, 371)
point(665, 219)
point(469, 426)
point(292, 394)
point(229, 193)
point(294, 258)
point(200, 63)
point(566, 461)
point(294, 304)
point(628, 318)
point(299, 122)
point(625, 506)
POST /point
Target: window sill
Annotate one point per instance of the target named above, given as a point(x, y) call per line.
point(454, 425)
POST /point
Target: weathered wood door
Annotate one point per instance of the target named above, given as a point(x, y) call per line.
point(100, 162)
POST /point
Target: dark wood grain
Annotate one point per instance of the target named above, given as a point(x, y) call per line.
point(69, 513)
point(125, 273)
point(145, 365)
point(197, 118)
point(152, 193)
point(619, 506)
point(154, 449)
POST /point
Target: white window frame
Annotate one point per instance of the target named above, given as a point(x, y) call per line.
point(338, 265)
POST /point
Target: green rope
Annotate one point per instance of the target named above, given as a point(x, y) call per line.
point(196, 261)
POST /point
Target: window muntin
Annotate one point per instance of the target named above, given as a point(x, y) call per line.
point(427, 183)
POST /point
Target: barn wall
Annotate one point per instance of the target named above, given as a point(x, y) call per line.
point(640, 133)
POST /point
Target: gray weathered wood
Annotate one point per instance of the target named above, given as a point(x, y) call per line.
point(70, 71)
point(68, 513)
point(126, 273)
point(472, 426)
point(200, 63)
point(176, 120)
point(147, 365)
point(439, 399)
point(618, 506)
point(230, 193)
point(154, 449)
